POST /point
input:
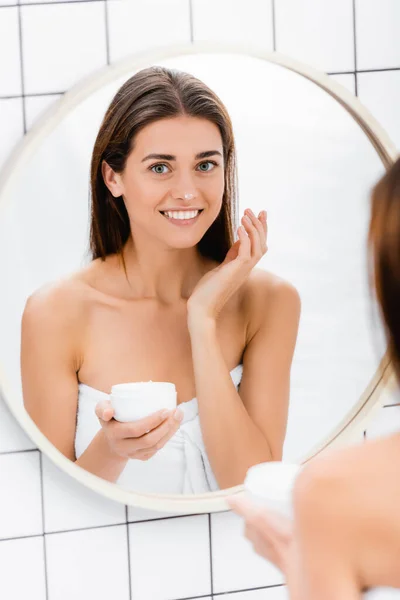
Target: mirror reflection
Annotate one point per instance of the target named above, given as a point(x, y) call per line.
point(136, 292)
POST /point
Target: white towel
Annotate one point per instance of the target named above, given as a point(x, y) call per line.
point(180, 467)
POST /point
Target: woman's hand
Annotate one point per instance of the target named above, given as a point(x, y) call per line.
point(217, 286)
point(270, 533)
point(140, 439)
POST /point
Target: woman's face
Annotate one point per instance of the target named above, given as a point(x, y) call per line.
point(173, 158)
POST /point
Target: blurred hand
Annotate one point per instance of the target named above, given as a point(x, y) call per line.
point(270, 533)
point(140, 439)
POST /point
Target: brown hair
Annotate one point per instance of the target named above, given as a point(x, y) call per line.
point(151, 94)
point(384, 244)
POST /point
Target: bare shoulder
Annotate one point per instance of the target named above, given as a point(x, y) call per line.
point(264, 292)
point(58, 307)
point(62, 297)
point(264, 282)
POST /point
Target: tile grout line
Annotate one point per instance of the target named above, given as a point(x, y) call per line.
point(38, 94)
point(191, 20)
point(51, 3)
point(211, 554)
point(355, 48)
point(129, 553)
point(60, 531)
point(32, 95)
point(231, 592)
point(5, 452)
point(21, 65)
point(273, 25)
point(107, 32)
point(43, 525)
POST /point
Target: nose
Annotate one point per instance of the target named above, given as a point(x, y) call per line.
point(184, 188)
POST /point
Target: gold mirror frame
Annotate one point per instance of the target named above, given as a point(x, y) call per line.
point(382, 382)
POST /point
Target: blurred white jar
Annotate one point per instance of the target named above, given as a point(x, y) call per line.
point(271, 485)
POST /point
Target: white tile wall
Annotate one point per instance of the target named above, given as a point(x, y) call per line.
point(377, 33)
point(89, 549)
point(234, 21)
point(70, 505)
point(36, 105)
point(180, 551)
point(380, 92)
point(21, 506)
point(88, 564)
point(315, 32)
point(10, 71)
point(135, 26)
point(235, 564)
point(61, 44)
point(11, 127)
point(273, 593)
point(12, 437)
point(143, 514)
point(22, 569)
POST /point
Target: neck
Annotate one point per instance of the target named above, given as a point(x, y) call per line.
point(168, 275)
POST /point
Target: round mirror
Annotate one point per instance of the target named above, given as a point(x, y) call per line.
point(308, 153)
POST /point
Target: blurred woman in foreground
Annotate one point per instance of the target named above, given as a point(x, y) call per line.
point(345, 537)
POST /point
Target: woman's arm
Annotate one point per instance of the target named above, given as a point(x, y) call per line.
point(52, 326)
point(246, 428)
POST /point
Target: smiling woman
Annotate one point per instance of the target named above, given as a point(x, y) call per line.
point(168, 296)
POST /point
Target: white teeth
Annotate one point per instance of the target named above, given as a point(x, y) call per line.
point(181, 214)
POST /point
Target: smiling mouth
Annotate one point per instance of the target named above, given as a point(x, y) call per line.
point(176, 219)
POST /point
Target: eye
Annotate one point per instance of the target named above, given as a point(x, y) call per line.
point(208, 162)
point(158, 166)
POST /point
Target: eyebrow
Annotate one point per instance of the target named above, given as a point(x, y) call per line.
point(205, 154)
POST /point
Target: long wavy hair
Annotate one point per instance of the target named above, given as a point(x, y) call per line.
point(384, 255)
point(151, 94)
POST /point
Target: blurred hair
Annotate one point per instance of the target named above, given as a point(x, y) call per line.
point(384, 248)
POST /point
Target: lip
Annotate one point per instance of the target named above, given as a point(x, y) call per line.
point(182, 222)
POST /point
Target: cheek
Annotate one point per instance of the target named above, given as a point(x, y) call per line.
point(142, 193)
point(214, 187)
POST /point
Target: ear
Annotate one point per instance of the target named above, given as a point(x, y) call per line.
point(112, 179)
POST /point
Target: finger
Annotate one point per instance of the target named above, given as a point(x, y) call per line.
point(154, 437)
point(263, 219)
point(260, 223)
point(254, 236)
point(149, 452)
point(245, 244)
point(104, 411)
point(255, 232)
point(257, 222)
point(136, 429)
point(148, 440)
point(241, 505)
